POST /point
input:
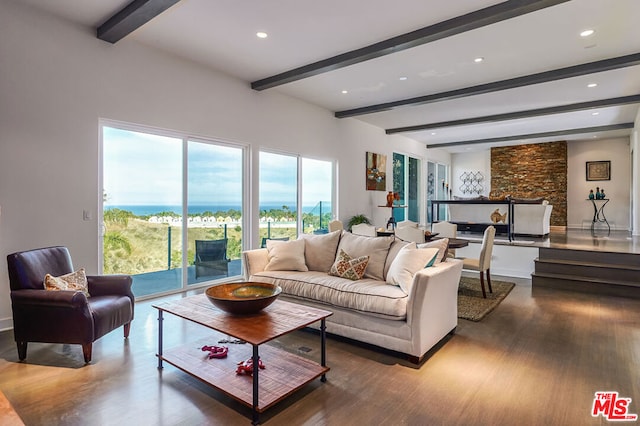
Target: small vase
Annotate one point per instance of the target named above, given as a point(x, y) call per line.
point(390, 199)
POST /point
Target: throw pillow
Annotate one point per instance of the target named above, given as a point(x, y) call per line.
point(376, 248)
point(441, 244)
point(320, 250)
point(74, 281)
point(347, 267)
point(395, 248)
point(409, 261)
point(285, 256)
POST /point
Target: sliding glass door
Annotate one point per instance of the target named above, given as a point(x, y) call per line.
point(147, 217)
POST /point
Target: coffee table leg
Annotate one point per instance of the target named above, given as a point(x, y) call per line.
point(256, 358)
point(160, 321)
point(323, 347)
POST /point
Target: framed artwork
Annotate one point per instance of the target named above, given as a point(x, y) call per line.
point(376, 173)
point(598, 170)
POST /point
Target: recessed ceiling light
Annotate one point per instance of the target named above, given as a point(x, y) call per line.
point(433, 133)
point(586, 33)
point(403, 78)
point(344, 92)
point(478, 59)
point(592, 84)
point(261, 34)
point(595, 113)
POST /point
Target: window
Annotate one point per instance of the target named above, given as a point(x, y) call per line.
point(287, 181)
point(160, 190)
point(406, 178)
point(437, 188)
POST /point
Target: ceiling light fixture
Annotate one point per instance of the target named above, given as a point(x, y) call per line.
point(433, 133)
point(590, 85)
point(403, 78)
point(595, 113)
point(344, 92)
point(261, 34)
point(586, 33)
point(478, 59)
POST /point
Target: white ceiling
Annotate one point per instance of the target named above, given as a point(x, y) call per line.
point(222, 34)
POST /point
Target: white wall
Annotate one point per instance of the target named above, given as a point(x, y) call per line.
point(579, 209)
point(475, 161)
point(578, 152)
point(57, 80)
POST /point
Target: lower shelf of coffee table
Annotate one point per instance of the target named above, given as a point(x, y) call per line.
point(284, 372)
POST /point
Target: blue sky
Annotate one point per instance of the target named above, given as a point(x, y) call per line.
point(145, 169)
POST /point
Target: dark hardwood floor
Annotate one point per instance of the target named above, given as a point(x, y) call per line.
point(537, 359)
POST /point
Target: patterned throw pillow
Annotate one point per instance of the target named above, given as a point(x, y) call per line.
point(74, 281)
point(347, 267)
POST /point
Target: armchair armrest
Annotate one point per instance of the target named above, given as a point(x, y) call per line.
point(103, 285)
point(57, 299)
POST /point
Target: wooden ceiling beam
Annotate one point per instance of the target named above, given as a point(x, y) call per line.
point(581, 106)
point(558, 133)
point(131, 17)
point(460, 24)
point(511, 83)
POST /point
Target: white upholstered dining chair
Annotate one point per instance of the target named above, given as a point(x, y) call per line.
point(446, 229)
point(483, 262)
point(364, 229)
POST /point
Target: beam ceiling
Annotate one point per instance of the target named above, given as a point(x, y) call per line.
point(131, 17)
point(512, 83)
point(470, 21)
point(557, 133)
point(601, 103)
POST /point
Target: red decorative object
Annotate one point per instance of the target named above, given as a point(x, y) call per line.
point(390, 198)
point(216, 351)
point(246, 367)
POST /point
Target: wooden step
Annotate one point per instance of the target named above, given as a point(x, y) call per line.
point(586, 284)
point(588, 269)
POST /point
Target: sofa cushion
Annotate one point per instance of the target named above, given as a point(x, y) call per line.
point(376, 248)
point(285, 256)
point(395, 248)
point(442, 244)
point(409, 261)
point(74, 281)
point(368, 296)
point(347, 267)
point(320, 250)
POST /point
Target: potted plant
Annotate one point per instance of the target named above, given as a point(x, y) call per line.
point(356, 220)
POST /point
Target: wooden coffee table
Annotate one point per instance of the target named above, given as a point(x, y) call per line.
point(284, 373)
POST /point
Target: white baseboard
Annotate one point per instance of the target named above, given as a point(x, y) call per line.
point(6, 324)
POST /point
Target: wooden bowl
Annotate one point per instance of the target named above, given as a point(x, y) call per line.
point(243, 298)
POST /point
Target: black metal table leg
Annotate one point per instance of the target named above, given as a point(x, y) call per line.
point(160, 321)
point(323, 347)
point(256, 361)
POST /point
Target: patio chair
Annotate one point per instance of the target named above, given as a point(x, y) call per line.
point(67, 316)
point(264, 241)
point(211, 258)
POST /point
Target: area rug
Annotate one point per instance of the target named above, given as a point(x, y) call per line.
point(472, 306)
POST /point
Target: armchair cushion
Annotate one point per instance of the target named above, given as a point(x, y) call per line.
point(75, 281)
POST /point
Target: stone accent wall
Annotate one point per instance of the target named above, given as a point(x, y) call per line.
point(530, 171)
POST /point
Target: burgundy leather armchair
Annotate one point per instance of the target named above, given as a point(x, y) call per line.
point(68, 317)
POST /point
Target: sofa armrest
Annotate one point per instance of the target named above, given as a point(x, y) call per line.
point(254, 261)
point(432, 309)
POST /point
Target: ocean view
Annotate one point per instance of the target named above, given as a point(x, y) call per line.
point(148, 210)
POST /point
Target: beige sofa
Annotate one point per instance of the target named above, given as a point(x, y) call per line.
point(407, 309)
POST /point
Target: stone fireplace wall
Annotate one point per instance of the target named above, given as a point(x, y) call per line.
point(531, 171)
